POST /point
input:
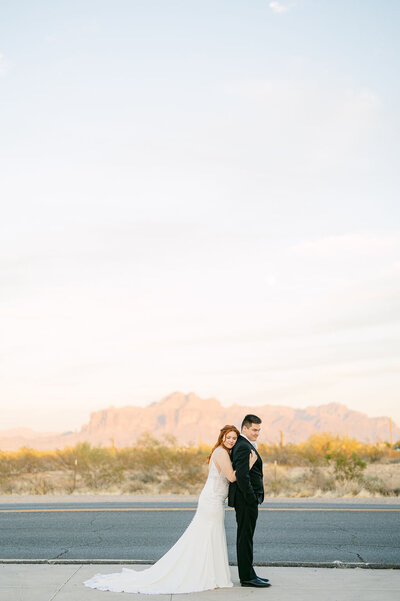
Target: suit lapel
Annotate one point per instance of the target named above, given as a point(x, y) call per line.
point(251, 447)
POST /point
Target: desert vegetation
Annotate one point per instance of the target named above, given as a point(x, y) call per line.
point(324, 465)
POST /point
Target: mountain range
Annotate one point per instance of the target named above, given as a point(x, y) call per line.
point(192, 419)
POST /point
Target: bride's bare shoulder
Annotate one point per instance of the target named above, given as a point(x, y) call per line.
point(220, 452)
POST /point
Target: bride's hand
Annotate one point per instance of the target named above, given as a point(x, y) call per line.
point(253, 458)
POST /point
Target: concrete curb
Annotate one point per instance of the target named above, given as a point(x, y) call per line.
point(272, 564)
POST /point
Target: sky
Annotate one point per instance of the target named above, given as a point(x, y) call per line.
point(199, 196)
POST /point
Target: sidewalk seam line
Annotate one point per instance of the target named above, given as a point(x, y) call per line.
point(64, 583)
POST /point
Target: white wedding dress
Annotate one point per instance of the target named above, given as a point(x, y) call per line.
point(197, 562)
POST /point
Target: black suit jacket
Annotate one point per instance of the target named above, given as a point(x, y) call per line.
point(249, 482)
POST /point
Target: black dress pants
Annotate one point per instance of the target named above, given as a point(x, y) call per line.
point(246, 518)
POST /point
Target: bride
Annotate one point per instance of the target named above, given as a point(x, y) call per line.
point(199, 559)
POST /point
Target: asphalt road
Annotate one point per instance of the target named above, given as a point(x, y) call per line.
point(286, 532)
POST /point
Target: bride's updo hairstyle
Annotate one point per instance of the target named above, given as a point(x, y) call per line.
point(220, 442)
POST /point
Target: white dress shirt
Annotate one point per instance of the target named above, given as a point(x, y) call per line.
point(253, 442)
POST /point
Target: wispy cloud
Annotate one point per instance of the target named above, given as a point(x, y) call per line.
point(277, 7)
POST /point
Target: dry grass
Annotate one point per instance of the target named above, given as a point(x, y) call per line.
point(324, 465)
point(288, 481)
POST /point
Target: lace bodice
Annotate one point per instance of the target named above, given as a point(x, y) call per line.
point(197, 562)
point(217, 484)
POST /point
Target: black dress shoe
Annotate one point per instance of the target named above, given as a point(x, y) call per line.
point(263, 579)
point(256, 582)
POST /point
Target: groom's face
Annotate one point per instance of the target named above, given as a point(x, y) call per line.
point(252, 431)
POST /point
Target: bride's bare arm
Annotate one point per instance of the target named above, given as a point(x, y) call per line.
point(223, 462)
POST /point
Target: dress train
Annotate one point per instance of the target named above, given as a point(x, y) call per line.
point(198, 561)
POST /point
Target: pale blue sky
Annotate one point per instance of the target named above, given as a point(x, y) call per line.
point(198, 196)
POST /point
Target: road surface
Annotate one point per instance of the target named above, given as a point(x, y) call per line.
point(287, 532)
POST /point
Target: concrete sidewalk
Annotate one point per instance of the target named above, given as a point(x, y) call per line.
point(22, 582)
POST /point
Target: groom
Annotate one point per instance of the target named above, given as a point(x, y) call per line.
point(245, 495)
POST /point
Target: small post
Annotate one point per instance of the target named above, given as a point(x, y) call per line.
point(75, 470)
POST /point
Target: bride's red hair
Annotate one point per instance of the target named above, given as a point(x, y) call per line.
point(222, 433)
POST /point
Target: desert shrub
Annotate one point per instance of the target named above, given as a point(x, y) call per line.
point(284, 455)
point(313, 451)
point(41, 486)
point(346, 465)
point(376, 486)
point(297, 481)
point(97, 467)
point(324, 464)
point(177, 468)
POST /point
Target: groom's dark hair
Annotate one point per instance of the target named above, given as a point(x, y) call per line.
point(250, 419)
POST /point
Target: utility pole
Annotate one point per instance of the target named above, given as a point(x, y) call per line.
point(390, 433)
point(281, 443)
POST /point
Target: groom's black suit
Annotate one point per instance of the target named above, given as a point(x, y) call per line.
point(245, 495)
